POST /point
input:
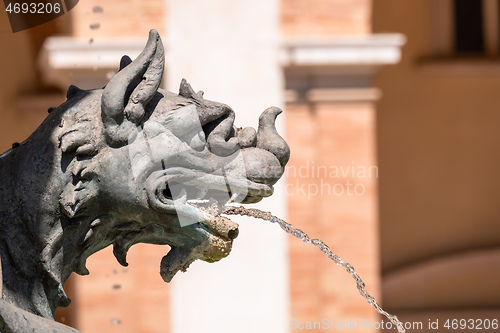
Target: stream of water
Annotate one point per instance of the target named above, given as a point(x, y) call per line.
point(287, 227)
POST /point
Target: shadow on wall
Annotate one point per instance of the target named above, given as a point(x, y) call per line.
point(439, 151)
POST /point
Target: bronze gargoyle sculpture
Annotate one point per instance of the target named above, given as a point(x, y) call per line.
point(126, 164)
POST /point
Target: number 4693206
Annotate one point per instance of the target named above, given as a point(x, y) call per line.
point(471, 324)
point(33, 8)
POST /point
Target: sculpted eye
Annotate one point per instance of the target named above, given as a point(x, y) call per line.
point(165, 195)
point(172, 191)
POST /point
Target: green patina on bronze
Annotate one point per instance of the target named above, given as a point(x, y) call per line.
point(102, 170)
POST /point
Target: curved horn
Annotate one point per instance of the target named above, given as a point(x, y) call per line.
point(126, 95)
point(268, 137)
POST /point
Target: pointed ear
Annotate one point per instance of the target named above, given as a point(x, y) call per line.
point(124, 62)
point(185, 90)
point(126, 95)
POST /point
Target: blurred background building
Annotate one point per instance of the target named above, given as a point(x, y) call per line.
point(391, 116)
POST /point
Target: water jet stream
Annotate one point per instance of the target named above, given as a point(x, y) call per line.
point(288, 228)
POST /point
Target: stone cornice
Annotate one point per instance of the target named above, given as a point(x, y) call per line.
point(337, 69)
point(347, 50)
point(84, 62)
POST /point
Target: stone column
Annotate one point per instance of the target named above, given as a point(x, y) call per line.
point(229, 49)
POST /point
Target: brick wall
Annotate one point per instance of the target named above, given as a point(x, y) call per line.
point(329, 142)
point(117, 299)
point(109, 18)
point(325, 17)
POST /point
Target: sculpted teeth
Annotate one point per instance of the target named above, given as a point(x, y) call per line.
point(95, 223)
point(88, 235)
point(207, 207)
point(233, 198)
point(198, 201)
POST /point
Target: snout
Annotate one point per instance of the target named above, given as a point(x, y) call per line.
point(261, 166)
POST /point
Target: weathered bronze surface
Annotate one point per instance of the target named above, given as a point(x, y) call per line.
point(130, 163)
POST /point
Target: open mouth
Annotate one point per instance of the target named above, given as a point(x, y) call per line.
point(201, 208)
point(198, 197)
point(192, 204)
point(204, 199)
point(200, 205)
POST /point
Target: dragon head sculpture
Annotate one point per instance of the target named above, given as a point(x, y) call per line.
point(130, 163)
